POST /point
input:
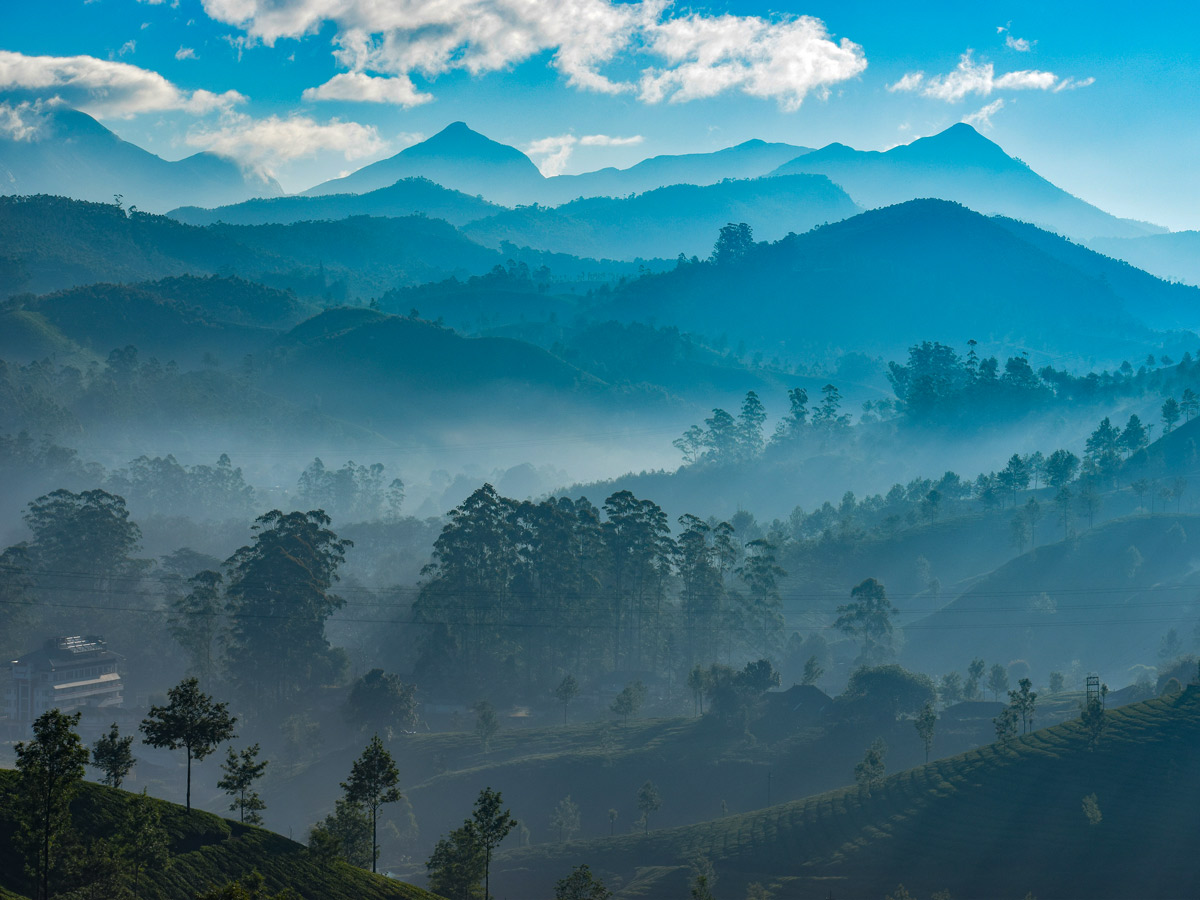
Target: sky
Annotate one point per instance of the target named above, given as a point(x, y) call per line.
point(1099, 98)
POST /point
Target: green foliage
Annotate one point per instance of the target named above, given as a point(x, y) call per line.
point(649, 801)
point(926, 725)
point(279, 599)
point(191, 720)
point(868, 619)
point(813, 671)
point(50, 769)
point(581, 884)
point(343, 834)
point(248, 887)
point(1092, 716)
point(997, 681)
point(734, 241)
point(456, 866)
point(887, 691)
point(629, 701)
point(491, 825)
point(143, 841)
point(567, 690)
point(372, 783)
point(733, 695)
point(1006, 724)
point(241, 771)
point(870, 771)
point(487, 723)
point(1024, 701)
point(381, 700)
point(111, 754)
point(565, 819)
point(195, 620)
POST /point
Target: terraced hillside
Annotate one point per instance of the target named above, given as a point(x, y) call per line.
point(205, 850)
point(1000, 821)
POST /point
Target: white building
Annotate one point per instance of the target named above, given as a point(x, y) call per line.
point(66, 673)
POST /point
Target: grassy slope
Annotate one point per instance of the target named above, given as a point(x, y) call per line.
point(206, 850)
point(998, 821)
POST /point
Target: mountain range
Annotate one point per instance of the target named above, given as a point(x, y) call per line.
point(71, 154)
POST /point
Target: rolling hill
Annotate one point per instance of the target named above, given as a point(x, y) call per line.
point(670, 220)
point(1175, 256)
point(71, 154)
point(407, 197)
point(1000, 821)
point(206, 851)
point(962, 165)
point(887, 278)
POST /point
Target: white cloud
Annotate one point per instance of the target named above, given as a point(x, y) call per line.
point(970, 77)
point(127, 47)
point(1019, 44)
point(1071, 84)
point(22, 121)
point(910, 82)
point(398, 90)
point(103, 87)
point(261, 144)
point(185, 53)
point(606, 140)
point(982, 118)
point(551, 153)
point(784, 59)
point(677, 58)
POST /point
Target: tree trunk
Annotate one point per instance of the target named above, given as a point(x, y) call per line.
point(189, 779)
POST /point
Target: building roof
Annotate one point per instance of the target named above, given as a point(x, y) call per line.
point(68, 652)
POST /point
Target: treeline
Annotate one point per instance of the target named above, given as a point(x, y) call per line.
point(524, 592)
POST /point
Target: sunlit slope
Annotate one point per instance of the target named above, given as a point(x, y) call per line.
point(205, 850)
point(1103, 598)
point(1000, 821)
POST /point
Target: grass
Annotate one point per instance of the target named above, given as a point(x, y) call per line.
point(205, 850)
point(999, 821)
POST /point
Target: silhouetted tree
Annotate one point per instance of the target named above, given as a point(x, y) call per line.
point(567, 690)
point(111, 754)
point(372, 783)
point(191, 720)
point(868, 618)
point(241, 771)
point(733, 243)
point(926, 724)
point(649, 801)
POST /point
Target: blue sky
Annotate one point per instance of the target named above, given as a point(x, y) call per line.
point(1097, 97)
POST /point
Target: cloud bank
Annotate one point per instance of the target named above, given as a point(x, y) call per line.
point(262, 144)
point(103, 87)
point(660, 57)
point(552, 153)
point(980, 79)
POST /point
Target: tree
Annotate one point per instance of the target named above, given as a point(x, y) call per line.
point(925, 724)
point(1135, 436)
point(887, 691)
point(1170, 414)
point(997, 681)
point(1091, 717)
point(733, 243)
point(629, 701)
point(870, 771)
point(581, 884)
point(456, 865)
point(1189, 403)
point(1057, 682)
point(1006, 724)
point(191, 720)
point(194, 621)
point(974, 674)
point(1024, 701)
point(143, 840)
point(50, 770)
point(649, 801)
point(248, 887)
point(750, 426)
point(1061, 467)
point(567, 690)
point(812, 671)
point(491, 826)
point(279, 599)
point(372, 783)
point(697, 682)
point(381, 700)
point(345, 833)
point(241, 771)
point(111, 754)
point(487, 723)
point(565, 819)
point(868, 618)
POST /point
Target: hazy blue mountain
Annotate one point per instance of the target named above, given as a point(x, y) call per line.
point(750, 159)
point(962, 165)
point(671, 220)
point(1175, 256)
point(456, 157)
point(49, 243)
point(73, 155)
point(407, 197)
point(878, 282)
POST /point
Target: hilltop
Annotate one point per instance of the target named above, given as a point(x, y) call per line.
point(999, 821)
point(206, 850)
point(962, 165)
point(64, 151)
